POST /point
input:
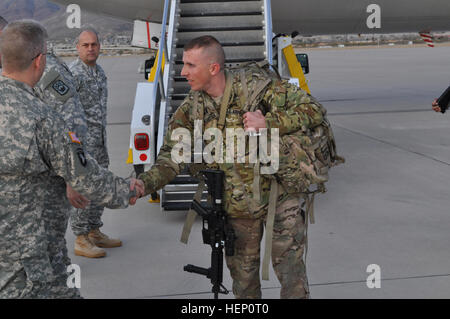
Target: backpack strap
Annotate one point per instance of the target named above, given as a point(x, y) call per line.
point(198, 108)
point(197, 111)
point(225, 101)
point(269, 228)
point(244, 92)
point(256, 91)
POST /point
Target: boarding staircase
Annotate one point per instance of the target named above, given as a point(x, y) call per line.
point(244, 30)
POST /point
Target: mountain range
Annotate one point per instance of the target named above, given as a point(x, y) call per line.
point(54, 17)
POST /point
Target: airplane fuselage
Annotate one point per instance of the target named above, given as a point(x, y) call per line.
point(310, 17)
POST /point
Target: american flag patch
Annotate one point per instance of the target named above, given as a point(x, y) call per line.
point(74, 138)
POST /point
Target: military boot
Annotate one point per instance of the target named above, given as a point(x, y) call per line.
point(102, 240)
point(84, 247)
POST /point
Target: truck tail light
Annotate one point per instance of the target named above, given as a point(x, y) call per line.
point(141, 142)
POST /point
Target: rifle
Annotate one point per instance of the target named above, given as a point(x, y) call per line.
point(216, 232)
point(444, 100)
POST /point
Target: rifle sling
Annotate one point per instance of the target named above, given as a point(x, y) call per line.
point(269, 228)
point(190, 217)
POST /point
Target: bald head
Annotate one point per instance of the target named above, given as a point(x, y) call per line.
point(88, 46)
point(21, 43)
point(211, 49)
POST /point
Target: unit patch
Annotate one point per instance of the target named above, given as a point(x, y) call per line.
point(81, 157)
point(60, 87)
point(74, 138)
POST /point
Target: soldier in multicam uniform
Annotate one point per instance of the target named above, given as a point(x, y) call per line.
point(57, 89)
point(92, 88)
point(34, 144)
point(282, 106)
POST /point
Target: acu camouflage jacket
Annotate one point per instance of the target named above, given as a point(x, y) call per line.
point(35, 143)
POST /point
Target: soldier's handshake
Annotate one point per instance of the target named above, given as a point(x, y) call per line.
point(138, 187)
point(137, 190)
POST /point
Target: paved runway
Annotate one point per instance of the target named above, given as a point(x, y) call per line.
point(388, 205)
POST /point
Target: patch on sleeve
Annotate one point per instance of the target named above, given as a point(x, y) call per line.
point(74, 138)
point(60, 87)
point(81, 157)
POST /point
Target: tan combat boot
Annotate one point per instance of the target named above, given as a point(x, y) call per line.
point(84, 247)
point(102, 240)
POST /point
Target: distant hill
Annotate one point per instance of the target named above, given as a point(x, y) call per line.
point(27, 9)
point(54, 17)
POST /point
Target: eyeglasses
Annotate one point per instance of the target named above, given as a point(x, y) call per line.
point(38, 56)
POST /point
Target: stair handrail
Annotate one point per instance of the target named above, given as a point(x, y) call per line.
point(268, 28)
point(159, 83)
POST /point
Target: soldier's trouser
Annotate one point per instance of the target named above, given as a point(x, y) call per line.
point(85, 220)
point(23, 288)
point(56, 214)
point(82, 221)
point(288, 245)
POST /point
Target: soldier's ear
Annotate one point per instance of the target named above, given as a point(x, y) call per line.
point(37, 62)
point(214, 68)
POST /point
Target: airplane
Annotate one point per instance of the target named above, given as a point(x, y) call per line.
point(248, 41)
point(310, 17)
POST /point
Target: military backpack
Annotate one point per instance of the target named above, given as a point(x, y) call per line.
point(305, 157)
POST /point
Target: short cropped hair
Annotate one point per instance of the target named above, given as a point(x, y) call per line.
point(88, 29)
point(3, 22)
point(21, 42)
point(211, 44)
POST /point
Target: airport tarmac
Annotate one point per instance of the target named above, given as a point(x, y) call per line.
point(388, 205)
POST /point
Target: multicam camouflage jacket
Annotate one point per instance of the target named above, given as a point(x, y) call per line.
point(93, 91)
point(286, 108)
point(33, 142)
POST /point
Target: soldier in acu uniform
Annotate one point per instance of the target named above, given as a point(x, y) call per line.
point(35, 144)
point(246, 195)
point(57, 89)
point(93, 91)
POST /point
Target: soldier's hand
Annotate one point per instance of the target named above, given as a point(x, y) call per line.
point(138, 186)
point(253, 121)
point(76, 199)
point(435, 106)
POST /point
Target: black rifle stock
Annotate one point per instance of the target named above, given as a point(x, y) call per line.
point(444, 100)
point(216, 231)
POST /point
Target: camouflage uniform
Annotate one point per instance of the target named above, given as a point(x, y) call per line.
point(287, 108)
point(34, 143)
point(57, 89)
point(93, 91)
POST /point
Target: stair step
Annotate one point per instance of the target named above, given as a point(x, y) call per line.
point(184, 179)
point(221, 8)
point(225, 38)
point(175, 206)
point(236, 53)
point(216, 1)
point(232, 23)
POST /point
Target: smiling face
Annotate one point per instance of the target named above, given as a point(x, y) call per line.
point(197, 69)
point(88, 48)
